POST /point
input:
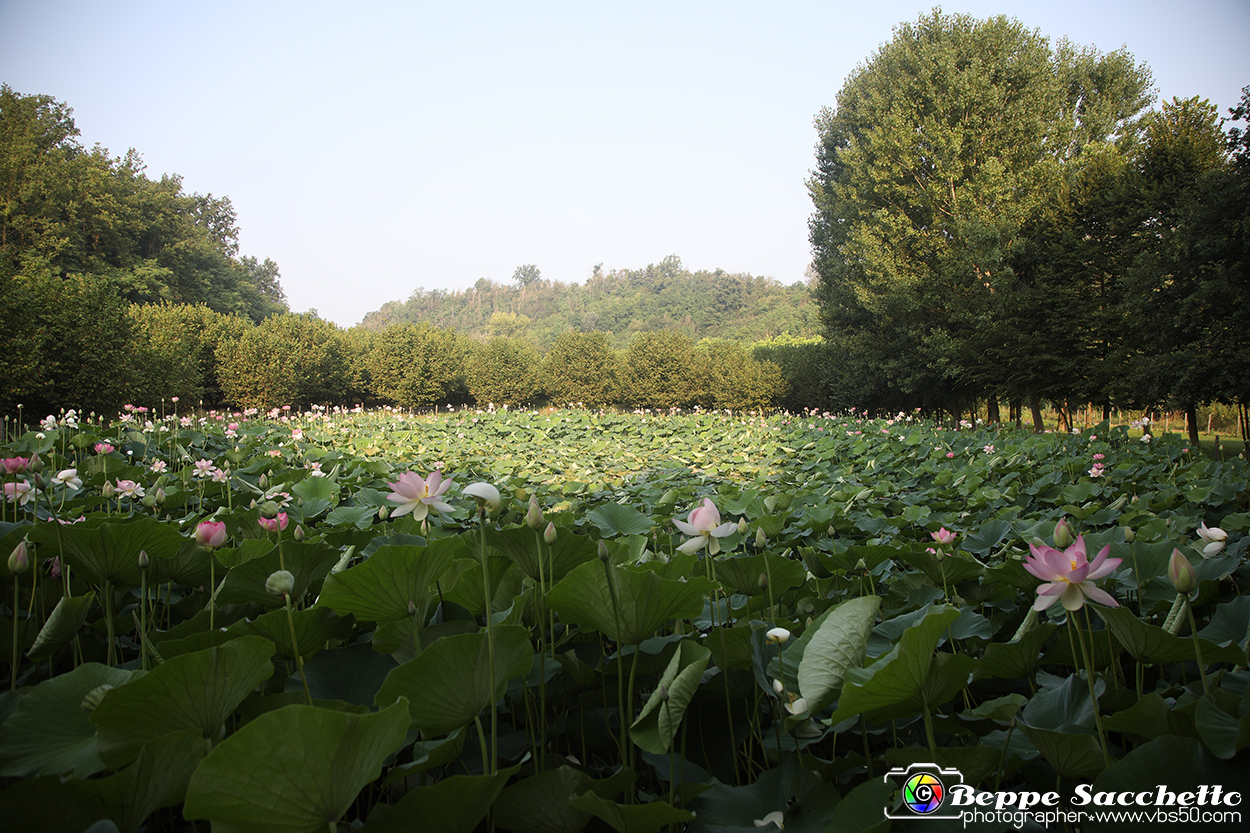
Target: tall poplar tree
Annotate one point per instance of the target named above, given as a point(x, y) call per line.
point(942, 149)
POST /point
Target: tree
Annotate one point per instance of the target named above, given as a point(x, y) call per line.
point(290, 359)
point(941, 150)
point(581, 368)
point(503, 371)
point(730, 377)
point(660, 371)
point(417, 366)
point(526, 275)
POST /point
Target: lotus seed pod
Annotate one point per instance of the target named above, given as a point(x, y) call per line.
point(269, 509)
point(280, 582)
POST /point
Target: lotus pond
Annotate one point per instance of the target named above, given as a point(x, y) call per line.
point(574, 620)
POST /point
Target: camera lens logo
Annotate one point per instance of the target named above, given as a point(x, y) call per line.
point(923, 792)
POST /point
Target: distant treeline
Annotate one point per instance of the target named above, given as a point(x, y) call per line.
point(619, 303)
point(148, 354)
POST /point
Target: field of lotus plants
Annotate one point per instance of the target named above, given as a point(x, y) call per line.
point(568, 620)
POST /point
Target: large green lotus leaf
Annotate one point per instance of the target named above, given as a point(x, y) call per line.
point(308, 562)
point(1230, 625)
point(110, 551)
point(782, 787)
point(941, 569)
point(62, 626)
point(505, 583)
point(381, 588)
point(188, 567)
point(1151, 644)
point(453, 805)
point(742, 574)
point(448, 684)
point(632, 608)
point(901, 675)
point(540, 803)
point(1224, 734)
point(657, 724)
point(1150, 717)
point(317, 494)
point(730, 647)
point(196, 690)
point(975, 763)
point(314, 627)
point(49, 732)
point(1060, 723)
point(616, 519)
point(568, 550)
point(293, 770)
point(1179, 765)
point(633, 818)
point(985, 537)
point(247, 550)
point(1014, 660)
point(835, 647)
point(158, 778)
point(353, 674)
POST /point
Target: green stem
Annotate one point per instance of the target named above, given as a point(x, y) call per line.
point(1193, 630)
point(299, 660)
point(1091, 680)
point(490, 647)
point(16, 639)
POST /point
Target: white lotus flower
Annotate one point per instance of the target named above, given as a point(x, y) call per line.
point(1215, 537)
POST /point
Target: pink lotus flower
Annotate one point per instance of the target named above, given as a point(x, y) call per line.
point(276, 524)
point(419, 496)
point(103, 448)
point(943, 536)
point(704, 524)
point(129, 489)
point(1070, 576)
point(15, 465)
point(210, 534)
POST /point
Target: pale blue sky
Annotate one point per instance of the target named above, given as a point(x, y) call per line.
point(373, 147)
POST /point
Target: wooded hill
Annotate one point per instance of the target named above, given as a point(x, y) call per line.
point(620, 302)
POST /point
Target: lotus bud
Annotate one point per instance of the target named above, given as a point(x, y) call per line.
point(603, 551)
point(799, 706)
point(761, 540)
point(144, 561)
point(299, 532)
point(1181, 573)
point(412, 608)
point(263, 482)
point(549, 534)
point(778, 687)
point(159, 494)
point(93, 697)
point(742, 526)
point(384, 512)
point(269, 509)
point(35, 465)
point(280, 582)
point(425, 527)
point(830, 531)
point(486, 495)
point(534, 515)
point(776, 636)
point(1063, 534)
point(19, 559)
point(1129, 534)
point(108, 490)
point(148, 500)
point(763, 581)
point(663, 693)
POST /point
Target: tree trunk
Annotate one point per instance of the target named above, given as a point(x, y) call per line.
point(1035, 405)
point(1191, 423)
point(991, 408)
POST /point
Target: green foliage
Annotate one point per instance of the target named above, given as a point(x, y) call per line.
point(503, 371)
point(67, 210)
point(291, 359)
point(174, 351)
point(618, 303)
point(660, 371)
point(580, 367)
point(731, 377)
point(416, 366)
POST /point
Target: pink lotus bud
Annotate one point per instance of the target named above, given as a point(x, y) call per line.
point(1181, 573)
point(943, 536)
point(299, 533)
point(144, 561)
point(19, 560)
point(534, 515)
point(211, 534)
point(549, 534)
point(1063, 533)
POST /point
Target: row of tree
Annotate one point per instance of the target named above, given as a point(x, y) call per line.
point(997, 219)
point(102, 353)
point(618, 302)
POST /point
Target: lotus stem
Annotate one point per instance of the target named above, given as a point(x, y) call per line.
point(299, 660)
point(1193, 630)
point(1091, 681)
point(490, 644)
point(16, 640)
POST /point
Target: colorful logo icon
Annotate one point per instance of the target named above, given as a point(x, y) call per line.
point(923, 792)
